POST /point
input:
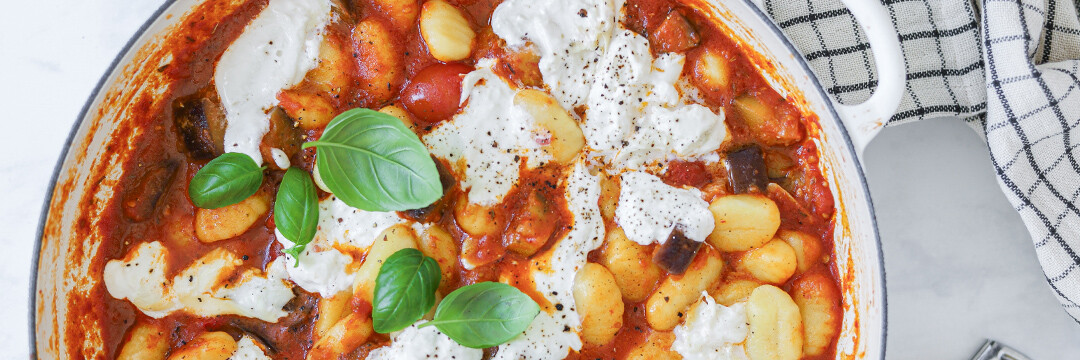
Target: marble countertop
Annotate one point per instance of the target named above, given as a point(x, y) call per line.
point(960, 265)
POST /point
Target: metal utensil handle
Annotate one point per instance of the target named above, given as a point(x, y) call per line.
point(993, 350)
point(864, 121)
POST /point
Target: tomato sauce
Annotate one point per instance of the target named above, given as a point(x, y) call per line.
point(160, 172)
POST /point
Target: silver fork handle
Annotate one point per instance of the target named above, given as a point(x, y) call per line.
point(993, 350)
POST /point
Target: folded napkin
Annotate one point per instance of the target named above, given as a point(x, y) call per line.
point(1008, 67)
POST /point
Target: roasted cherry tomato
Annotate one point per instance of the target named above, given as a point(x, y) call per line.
point(681, 173)
point(434, 93)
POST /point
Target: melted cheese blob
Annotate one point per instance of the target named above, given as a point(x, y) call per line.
point(712, 331)
point(274, 52)
point(322, 267)
point(490, 138)
point(424, 343)
point(203, 288)
point(649, 210)
point(247, 349)
point(570, 36)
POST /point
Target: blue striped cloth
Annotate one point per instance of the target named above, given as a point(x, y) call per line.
point(1008, 67)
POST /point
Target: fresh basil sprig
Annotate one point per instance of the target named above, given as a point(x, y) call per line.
point(404, 290)
point(372, 162)
point(296, 210)
point(484, 314)
point(226, 180)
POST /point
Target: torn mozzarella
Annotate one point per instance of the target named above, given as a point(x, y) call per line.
point(414, 342)
point(712, 331)
point(649, 210)
point(204, 288)
point(490, 138)
point(274, 52)
point(569, 35)
point(247, 349)
point(322, 268)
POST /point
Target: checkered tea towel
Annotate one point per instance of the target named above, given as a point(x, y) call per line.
point(1009, 67)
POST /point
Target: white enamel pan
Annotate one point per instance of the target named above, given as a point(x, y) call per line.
point(92, 161)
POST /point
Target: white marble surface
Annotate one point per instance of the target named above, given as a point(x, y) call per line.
point(960, 264)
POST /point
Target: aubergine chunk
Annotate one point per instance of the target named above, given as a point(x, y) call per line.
point(284, 136)
point(200, 120)
point(746, 170)
point(677, 253)
point(140, 202)
point(674, 34)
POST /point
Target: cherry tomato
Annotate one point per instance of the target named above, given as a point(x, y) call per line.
point(434, 93)
point(681, 173)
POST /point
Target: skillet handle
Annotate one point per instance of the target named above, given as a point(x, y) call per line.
point(864, 121)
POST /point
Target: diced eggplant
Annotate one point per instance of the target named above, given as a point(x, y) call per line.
point(675, 255)
point(282, 135)
point(674, 34)
point(141, 201)
point(746, 170)
point(200, 120)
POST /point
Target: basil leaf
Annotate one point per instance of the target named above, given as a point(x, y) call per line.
point(296, 210)
point(226, 180)
point(372, 162)
point(404, 290)
point(484, 314)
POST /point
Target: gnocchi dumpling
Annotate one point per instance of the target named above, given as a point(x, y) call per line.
point(773, 262)
point(666, 307)
point(439, 245)
point(446, 31)
point(733, 290)
point(819, 303)
point(391, 240)
point(230, 221)
point(380, 69)
point(601, 316)
point(631, 264)
point(776, 331)
point(566, 138)
point(743, 222)
point(208, 346)
point(147, 342)
point(476, 219)
point(808, 250)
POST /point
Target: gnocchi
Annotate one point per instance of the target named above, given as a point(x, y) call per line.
point(380, 70)
point(601, 318)
point(230, 221)
point(439, 245)
point(387, 243)
point(566, 138)
point(446, 31)
point(146, 342)
point(743, 222)
point(733, 290)
point(818, 300)
point(665, 308)
point(208, 346)
point(773, 262)
point(807, 249)
point(476, 219)
point(631, 265)
point(345, 336)
point(776, 330)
